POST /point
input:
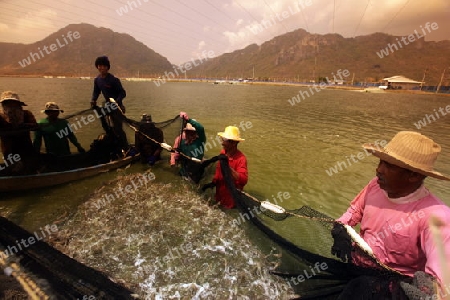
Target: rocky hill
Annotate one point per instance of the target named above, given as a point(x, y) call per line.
point(301, 56)
point(294, 56)
point(71, 51)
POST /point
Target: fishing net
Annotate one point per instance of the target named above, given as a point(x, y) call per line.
point(46, 273)
point(170, 127)
point(306, 235)
point(310, 268)
point(103, 148)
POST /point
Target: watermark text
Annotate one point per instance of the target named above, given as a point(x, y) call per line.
point(433, 117)
point(390, 48)
point(341, 165)
point(46, 50)
point(341, 74)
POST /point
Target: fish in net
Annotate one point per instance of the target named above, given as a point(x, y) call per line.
point(313, 271)
point(46, 273)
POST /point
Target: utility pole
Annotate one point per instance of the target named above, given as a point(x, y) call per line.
point(423, 78)
point(439, 85)
point(315, 58)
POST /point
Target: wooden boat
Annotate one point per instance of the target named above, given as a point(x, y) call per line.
point(71, 168)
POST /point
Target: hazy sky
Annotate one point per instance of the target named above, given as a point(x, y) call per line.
point(181, 29)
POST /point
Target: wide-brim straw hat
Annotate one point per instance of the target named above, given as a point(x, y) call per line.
point(49, 106)
point(410, 150)
point(231, 133)
point(10, 96)
point(189, 127)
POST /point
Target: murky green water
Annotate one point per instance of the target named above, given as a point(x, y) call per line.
point(289, 147)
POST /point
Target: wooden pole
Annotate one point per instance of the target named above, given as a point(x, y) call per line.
point(423, 79)
point(439, 85)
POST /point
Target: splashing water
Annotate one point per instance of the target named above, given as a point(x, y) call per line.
point(166, 242)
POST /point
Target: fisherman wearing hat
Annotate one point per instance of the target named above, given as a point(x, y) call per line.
point(56, 133)
point(238, 166)
point(394, 212)
point(148, 140)
point(111, 88)
point(15, 124)
point(190, 143)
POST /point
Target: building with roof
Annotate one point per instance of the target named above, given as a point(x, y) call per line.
point(400, 82)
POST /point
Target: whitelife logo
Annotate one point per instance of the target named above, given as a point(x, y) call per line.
point(411, 38)
point(35, 56)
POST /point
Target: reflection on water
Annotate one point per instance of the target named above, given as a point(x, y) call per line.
point(289, 147)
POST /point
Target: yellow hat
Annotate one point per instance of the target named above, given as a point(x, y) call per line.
point(231, 133)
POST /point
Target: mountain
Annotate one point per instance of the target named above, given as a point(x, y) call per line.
point(294, 56)
point(301, 56)
point(71, 51)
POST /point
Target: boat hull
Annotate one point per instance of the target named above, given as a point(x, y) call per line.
point(28, 182)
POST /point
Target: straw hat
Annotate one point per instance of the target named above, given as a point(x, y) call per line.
point(189, 127)
point(10, 96)
point(51, 106)
point(231, 133)
point(410, 150)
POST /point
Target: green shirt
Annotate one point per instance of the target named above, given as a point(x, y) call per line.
point(197, 147)
point(56, 137)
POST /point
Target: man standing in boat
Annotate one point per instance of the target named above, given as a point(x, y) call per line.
point(111, 87)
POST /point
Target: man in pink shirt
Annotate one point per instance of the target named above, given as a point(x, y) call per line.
point(395, 208)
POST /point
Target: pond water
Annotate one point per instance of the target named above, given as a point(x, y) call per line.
point(310, 149)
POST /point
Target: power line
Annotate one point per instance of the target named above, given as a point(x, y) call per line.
point(282, 24)
point(357, 26)
point(304, 19)
point(218, 42)
point(183, 26)
point(334, 12)
point(244, 9)
point(153, 15)
point(389, 23)
point(164, 38)
point(219, 10)
point(202, 14)
point(63, 23)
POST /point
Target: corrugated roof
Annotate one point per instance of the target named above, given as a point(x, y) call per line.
point(400, 79)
